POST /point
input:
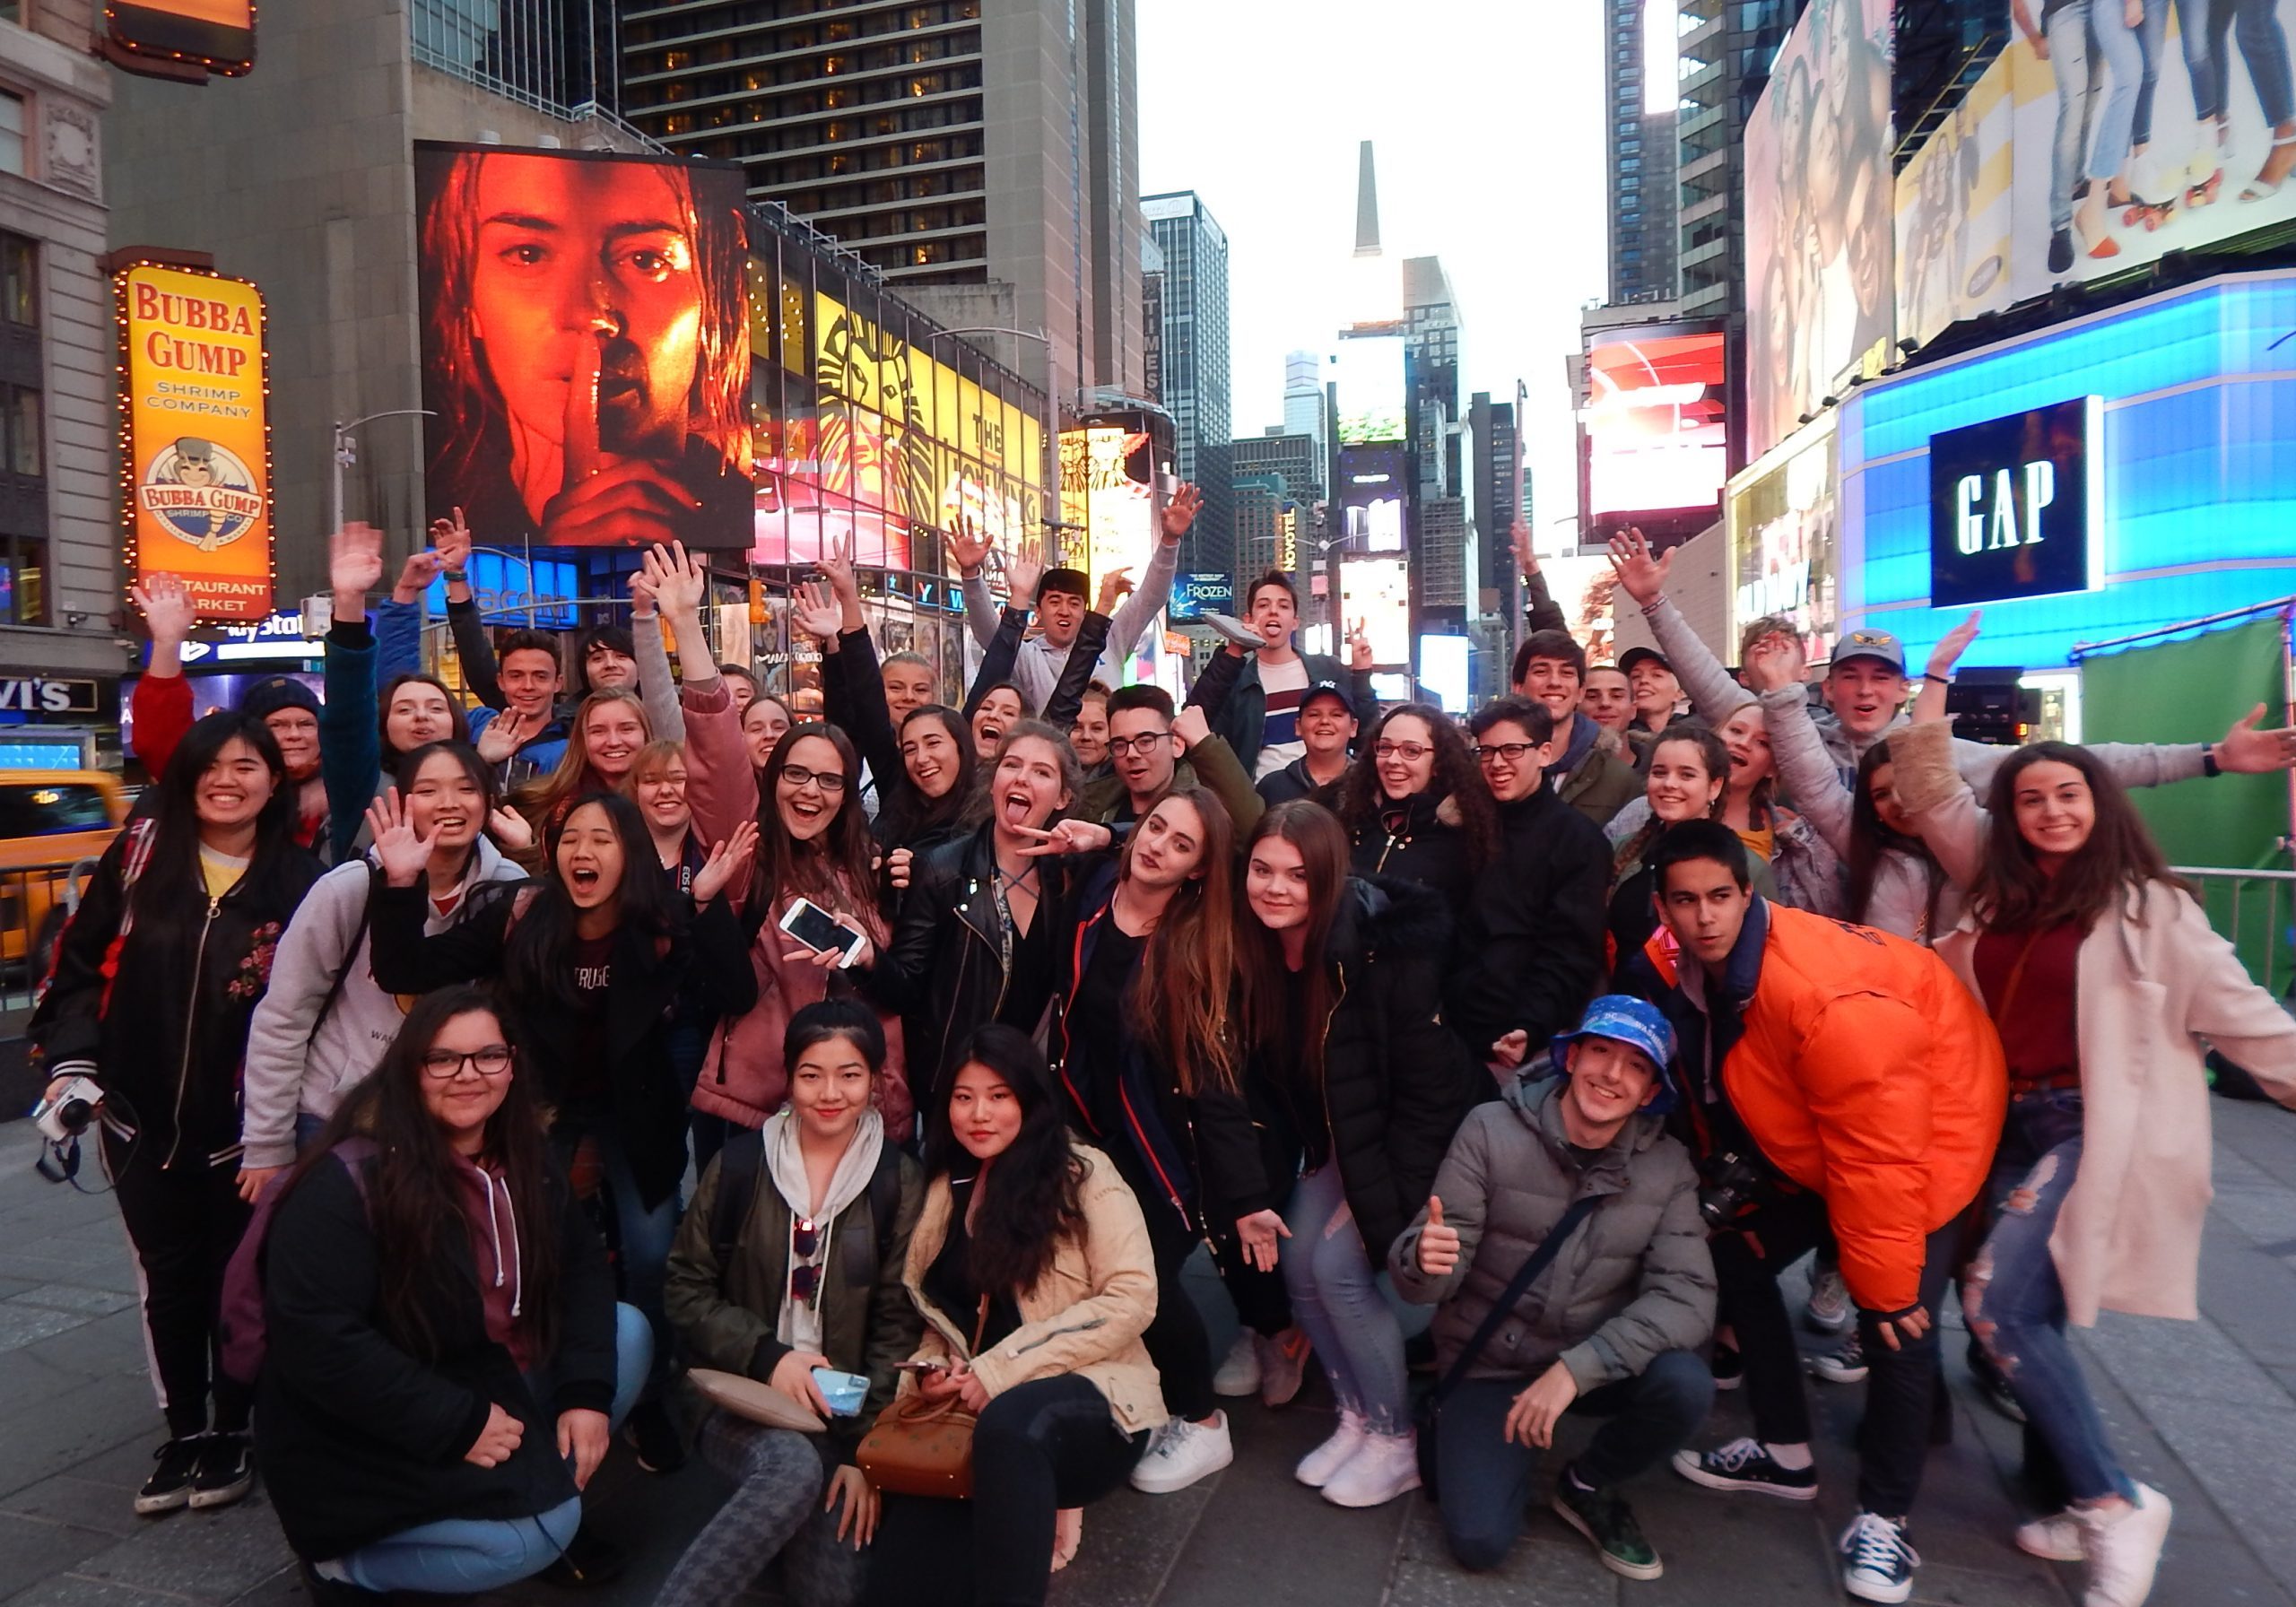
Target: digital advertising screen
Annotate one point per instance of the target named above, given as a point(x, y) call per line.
point(1372, 490)
point(2016, 506)
point(1653, 419)
point(1820, 209)
point(586, 346)
point(1785, 531)
point(1106, 490)
point(196, 459)
point(1369, 369)
point(1376, 592)
point(218, 35)
point(2174, 127)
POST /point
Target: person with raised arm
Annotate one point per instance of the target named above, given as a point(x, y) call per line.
point(1061, 596)
point(398, 617)
point(1152, 750)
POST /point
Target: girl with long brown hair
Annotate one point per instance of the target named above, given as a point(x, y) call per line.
point(1351, 1087)
point(603, 740)
point(2108, 985)
point(1146, 976)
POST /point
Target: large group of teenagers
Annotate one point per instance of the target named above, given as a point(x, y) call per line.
point(837, 1089)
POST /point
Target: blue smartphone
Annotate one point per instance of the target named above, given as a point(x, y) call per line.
point(844, 1392)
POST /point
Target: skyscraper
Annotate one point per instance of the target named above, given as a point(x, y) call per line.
point(1641, 138)
point(1724, 61)
point(1303, 404)
point(984, 158)
point(1195, 390)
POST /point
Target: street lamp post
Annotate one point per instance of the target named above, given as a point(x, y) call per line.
point(1051, 412)
point(346, 451)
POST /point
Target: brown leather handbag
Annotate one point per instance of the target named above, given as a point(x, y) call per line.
point(920, 1448)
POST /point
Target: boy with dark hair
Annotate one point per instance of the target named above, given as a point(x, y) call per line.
point(1151, 752)
point(530, 677)
point(1593, 769)
point(1253, 699)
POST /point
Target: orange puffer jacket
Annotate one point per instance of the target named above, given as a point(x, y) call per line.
point(1868, 1075)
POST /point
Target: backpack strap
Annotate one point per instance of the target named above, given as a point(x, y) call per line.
point(884, 1197)
point(741, 1164)
point(350, 956)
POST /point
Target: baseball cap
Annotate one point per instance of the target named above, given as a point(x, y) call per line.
point(1637, 1024)
point(1864, 643)
point(1326, 689)
point(1635, 656)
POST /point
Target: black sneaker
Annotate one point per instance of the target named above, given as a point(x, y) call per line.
point(1845, 1364)
point(1747, 1464)
point(1993, 1390)
point(1729, 1371)
point(225, 1471)
point(655, 1438)
point(1877, 1558)
point(1607, 1522)
point(169, 1485)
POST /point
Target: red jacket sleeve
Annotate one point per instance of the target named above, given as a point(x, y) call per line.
point(161, 707)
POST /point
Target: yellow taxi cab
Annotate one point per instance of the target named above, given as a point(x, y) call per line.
point(49, 820)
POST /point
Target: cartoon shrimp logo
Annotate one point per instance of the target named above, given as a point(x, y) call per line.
point(200, 493)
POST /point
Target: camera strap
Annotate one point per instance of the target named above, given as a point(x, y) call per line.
point(1536, 1263)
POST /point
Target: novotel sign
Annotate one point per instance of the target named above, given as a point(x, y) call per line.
point(2016, 506)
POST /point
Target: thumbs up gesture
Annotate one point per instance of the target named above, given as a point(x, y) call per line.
point(1438, 1245)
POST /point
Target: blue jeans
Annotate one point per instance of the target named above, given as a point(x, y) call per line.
point(2200, 66)
point(642, 1236)
point(2015, 1305)
point(1486, 1478)
point(2079, 122)
point(1335, 1299)
point(2264, 48)
point(470, 1556)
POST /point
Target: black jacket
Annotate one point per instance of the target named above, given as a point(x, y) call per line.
point(360, 1440)
point(1397, 1082)
point(1410, 842)
point(1235, 705)
point(160, 1016)
point(1530, 940)
point(944, 968)
point(648, 1101)
point(1293, 781)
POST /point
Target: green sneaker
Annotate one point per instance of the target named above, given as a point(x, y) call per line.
point(1607, 1522)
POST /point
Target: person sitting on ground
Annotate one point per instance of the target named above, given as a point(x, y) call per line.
point(444, 1364)
point(788, 1263)
point(1611, 1328)
point(1032, 1265)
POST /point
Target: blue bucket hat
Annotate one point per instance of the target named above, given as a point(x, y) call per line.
point(1638, 1025)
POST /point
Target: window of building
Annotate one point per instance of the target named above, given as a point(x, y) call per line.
point(21, 436)
point(11, 133)
point(19, 281)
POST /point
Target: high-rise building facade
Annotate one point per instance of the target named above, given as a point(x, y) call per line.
point(1725, 52)
point(1496, 444)
point(1296, 457)
point(1640, 140)
point(1303, 402)
point(1195, 388)
point(984, 157)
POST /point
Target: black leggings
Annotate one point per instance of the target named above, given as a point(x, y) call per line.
point(1175, 1339)
point(1041, 1446)
point(184, 1221)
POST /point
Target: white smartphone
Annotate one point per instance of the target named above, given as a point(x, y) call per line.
point(821, 931)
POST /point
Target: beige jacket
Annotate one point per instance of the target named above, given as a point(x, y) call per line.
point(2154, 980)
point(1085, 1315)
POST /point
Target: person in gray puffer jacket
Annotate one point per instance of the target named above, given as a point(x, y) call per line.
point(1613, 1327)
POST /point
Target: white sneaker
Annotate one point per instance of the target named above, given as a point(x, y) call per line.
point(2055, 1538)
point(1239, 1374)
point(1316, 1467)
point(1387, 1466)
point(1182, 1452)
point(1828, 1310)
point(2123, 1547)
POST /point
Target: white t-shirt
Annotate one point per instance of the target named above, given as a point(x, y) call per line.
point(1286, 685)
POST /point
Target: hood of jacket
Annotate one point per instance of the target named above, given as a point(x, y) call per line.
point(1385, 913)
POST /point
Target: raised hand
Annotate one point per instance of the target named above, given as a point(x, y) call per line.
point(450, 540)
point(1022, 571)
point(726, 861)
point(814, 609)
point(1359, 646)
point(1776, 661)
point(1114, 586)
point(166, 603)
point(836, 567)
point(2248, 751)
point(1526, 553)
point(1439, 1245)
point(414, 576)
point(968, 546)
point(1065, 836)
point(511, 831)
point(505, 733)
point(354, 567)
point(404, 853)
point(1955, 642)
point(1191, 727)
point(1643, 575)
point(679, 582)
point(1181, 512)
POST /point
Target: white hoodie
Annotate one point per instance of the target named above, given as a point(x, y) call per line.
point(298, 1064)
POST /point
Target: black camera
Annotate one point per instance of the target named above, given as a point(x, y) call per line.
point(1729, 1185)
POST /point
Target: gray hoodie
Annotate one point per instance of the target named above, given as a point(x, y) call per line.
point(298, 1064)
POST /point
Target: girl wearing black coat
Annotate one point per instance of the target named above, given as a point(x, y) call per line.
point(444, 1362)
point(157, 977)
point(591, 957)
point(1354, 1087)
point(1416, 811)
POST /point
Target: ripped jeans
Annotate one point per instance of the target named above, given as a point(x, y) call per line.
point(1334, 1290)
point(2015, 1305)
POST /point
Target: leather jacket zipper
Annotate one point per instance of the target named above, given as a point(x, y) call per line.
point(190, 1023)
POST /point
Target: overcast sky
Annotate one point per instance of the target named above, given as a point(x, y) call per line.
point(1488, 119)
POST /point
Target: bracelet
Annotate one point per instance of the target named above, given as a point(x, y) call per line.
point(2208, 765)
point(1934, 675)
point(454, 575)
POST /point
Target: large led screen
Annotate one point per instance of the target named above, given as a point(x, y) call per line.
point(586, 346)
point(1820, 199)
point(1653, 418)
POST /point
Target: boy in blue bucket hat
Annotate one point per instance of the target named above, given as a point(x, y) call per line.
point(1611, 1326)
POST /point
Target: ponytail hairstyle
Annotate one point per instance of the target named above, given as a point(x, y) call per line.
point(1188, 966)
point(1031, 1198)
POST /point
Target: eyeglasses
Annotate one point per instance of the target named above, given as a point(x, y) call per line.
point(1409, 752)
point(1505, 753)
point(829, 781)
point(1142, 745)
point(444, 1065)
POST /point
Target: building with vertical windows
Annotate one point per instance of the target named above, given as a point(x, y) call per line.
point(1280, 452)
point(1493, 508)
point(1640, 139)
point(1724, 57)
point(1303, 402)
point(59, 503)
point(983, 158)
point(1195, 390)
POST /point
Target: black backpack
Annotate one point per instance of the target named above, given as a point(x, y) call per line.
point(740, 1171)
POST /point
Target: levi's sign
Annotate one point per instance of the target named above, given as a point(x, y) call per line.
point(2016, 506)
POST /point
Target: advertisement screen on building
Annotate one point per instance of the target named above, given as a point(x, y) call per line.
point(1369, 370)
point(1376, 593)
point(1106, 492)
point(586, 353)
point(1197, 592)
point(218, 35)
point(196, 456)
point(1818, 201)
point(1372, 498)
point(2016, 506)
point(1784, 532)
point(2175, 137)
point(1653, 421)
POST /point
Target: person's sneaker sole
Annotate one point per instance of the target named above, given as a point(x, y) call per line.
point(1833, 1372)
point(222, 1495)
point(1686, 1463)
point(2040, 1537)
point(1878, 1592)
point(1617, 1565)
point(153, 1506)
point(1165, 1486)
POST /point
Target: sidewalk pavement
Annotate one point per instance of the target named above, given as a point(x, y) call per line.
point(2205, 1412)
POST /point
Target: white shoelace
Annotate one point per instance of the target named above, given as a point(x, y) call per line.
point(1875, 1544)
point(1735, 1456)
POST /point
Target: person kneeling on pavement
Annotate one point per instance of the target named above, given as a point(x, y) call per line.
point(1612, 1326)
